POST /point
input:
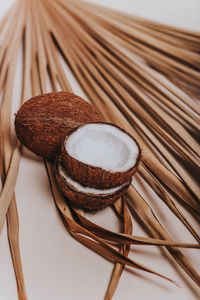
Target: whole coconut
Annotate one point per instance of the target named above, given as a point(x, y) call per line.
point(43, 121)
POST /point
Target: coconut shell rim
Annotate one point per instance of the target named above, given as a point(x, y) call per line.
point(104, 196)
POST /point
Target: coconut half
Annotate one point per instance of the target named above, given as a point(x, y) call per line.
point(100, 155)
point(85, 197)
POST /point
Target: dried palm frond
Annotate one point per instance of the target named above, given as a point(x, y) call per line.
point(140, 75)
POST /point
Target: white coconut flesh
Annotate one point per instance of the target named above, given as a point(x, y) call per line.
point(84, 189)
point(103, 145)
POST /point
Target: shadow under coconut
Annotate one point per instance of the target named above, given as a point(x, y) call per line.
point(30, 155)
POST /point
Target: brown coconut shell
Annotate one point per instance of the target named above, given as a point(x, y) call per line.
point(96, 177)
point(79, 199)
point(42, 121)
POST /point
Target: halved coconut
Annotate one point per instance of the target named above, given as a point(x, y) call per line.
point(100, 155)
point(85, 197)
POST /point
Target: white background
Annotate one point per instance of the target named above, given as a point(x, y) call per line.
point(56, 267)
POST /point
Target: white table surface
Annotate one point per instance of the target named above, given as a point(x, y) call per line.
point(56, 267)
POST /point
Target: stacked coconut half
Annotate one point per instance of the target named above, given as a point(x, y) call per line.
point(93, 161)
point(96, 164)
